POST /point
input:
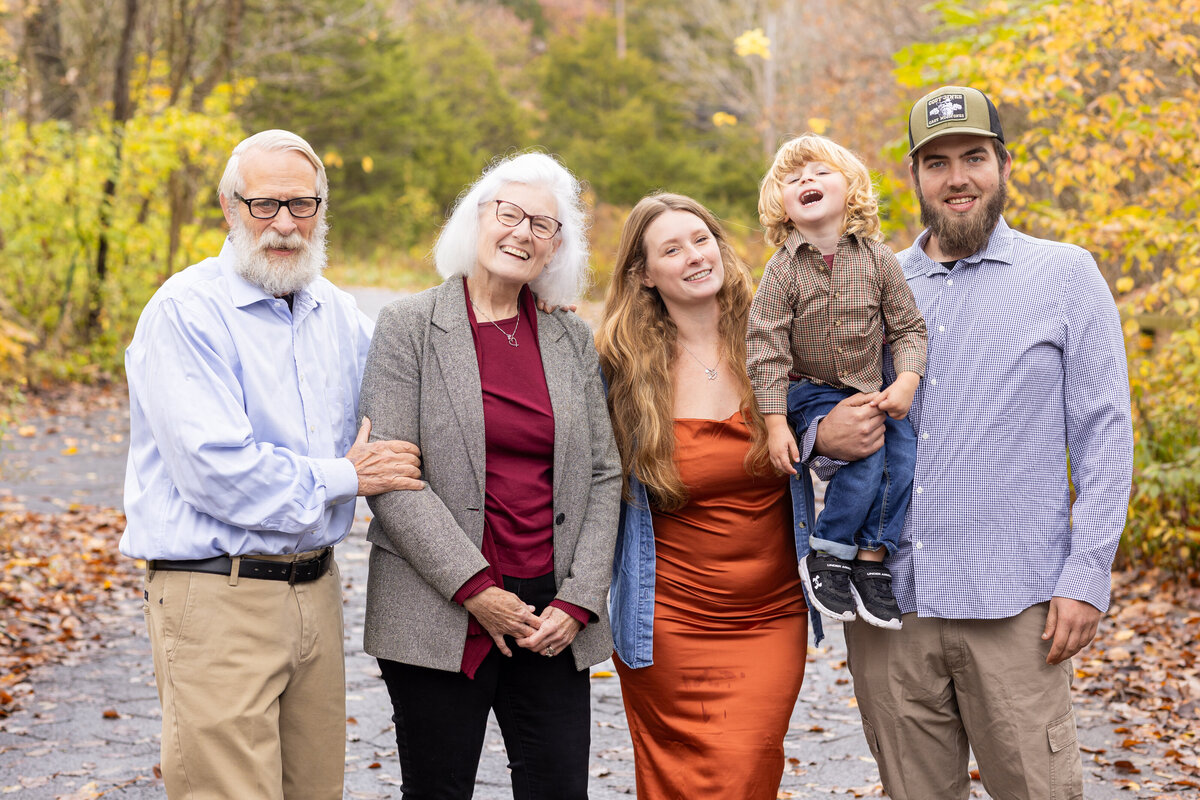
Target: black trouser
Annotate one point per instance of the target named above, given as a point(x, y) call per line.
point(542, 704)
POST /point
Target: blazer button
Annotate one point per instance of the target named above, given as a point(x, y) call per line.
point(560, 519)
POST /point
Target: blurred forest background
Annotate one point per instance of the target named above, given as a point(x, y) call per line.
point(117, 116)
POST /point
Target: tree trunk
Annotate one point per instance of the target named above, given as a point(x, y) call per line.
point(121, 112)
point(49, 90)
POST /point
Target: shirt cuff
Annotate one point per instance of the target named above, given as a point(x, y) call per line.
point(822, 466)
point(580, 615)
point(340, 478)
point(1084, 583)
point(474, 585)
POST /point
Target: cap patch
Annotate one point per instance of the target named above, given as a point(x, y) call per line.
point(945, 108)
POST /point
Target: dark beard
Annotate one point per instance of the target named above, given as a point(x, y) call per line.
point(967, 235)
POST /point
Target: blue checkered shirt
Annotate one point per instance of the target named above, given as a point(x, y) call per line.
point(1026, 361)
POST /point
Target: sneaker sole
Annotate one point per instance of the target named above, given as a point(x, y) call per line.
point(848, 616)
point(868, 617)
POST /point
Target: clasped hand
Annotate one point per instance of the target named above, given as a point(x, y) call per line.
point(502, 613)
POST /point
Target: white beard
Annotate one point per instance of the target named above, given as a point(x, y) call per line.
point(279, 276)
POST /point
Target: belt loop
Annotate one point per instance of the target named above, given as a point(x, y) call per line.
point(150, 570)
point(235, 570)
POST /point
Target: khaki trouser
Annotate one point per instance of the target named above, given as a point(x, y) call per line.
point(252, 681)
point(928, 691)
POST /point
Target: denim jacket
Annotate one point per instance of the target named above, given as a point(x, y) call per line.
point(631, 597)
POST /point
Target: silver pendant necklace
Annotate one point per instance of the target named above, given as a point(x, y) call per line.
point(512, 337)
point(709, 372)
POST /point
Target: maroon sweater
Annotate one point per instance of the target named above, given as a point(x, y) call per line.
point(518, 423)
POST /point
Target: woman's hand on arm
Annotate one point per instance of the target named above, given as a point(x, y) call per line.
point(502, 614)
point(558, 629)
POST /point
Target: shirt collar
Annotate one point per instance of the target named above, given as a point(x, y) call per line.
point(244, 293)
point(999, 248)
point(795, 239)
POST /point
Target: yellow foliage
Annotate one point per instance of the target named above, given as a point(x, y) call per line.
point(57, 212)
point(753, 43)
point(1102, 109)
point(723, 118)
point(818, 125)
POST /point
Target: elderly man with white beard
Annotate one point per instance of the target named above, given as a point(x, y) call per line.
point(244, 465)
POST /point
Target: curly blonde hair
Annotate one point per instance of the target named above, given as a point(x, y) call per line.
point(862, 199)
point(636, 342)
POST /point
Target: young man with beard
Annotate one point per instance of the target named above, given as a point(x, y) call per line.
point(243, 470)
point(1000, 578)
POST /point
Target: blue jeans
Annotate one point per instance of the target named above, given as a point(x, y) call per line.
point(866, 501)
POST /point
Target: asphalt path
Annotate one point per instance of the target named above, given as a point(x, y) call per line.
point(68, 742)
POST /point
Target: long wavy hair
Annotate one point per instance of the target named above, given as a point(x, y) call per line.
point(637, 346)
point(862, 199)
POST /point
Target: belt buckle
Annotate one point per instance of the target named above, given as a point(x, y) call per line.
point(291, 567)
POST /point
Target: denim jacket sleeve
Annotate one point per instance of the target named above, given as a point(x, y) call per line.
point(804, 514)
point(631, 595)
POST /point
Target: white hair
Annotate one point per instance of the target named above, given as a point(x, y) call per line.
point(270, 141)
point(566, 275)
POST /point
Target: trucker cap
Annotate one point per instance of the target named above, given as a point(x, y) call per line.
point(950, 110)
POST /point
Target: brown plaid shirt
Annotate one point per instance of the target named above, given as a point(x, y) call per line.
point(829, 325)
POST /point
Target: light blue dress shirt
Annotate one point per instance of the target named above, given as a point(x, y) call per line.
point(240, 414)
point(1026, 361)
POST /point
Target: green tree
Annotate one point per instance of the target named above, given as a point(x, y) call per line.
point(420, 111)
point(624, 126)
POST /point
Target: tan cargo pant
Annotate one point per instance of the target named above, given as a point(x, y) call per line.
point(252, 681)
point(928, 691)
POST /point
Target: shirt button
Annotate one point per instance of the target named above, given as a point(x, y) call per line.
point(933, 381)
point(941, 328)
point(925, 434)
point(918, 545)
point(312, 428)
point(949, 281)
point(920, 490)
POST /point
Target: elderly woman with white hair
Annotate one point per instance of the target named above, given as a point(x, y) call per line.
point(487, 589)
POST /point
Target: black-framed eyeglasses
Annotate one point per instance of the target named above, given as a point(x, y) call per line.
point(511, 215)
point(268, 207)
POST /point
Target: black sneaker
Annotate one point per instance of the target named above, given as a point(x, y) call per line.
point(871, 583)
point(827, 579)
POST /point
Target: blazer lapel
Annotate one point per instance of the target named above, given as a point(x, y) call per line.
point(558, 364)
point(454, 350)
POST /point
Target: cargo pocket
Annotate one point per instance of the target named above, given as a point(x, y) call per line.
point(872, 740)
point(1066, 769)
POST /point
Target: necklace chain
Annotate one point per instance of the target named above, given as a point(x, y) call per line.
point(709, 372)
point(512, 337)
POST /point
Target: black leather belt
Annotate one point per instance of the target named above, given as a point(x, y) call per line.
point(291, 571)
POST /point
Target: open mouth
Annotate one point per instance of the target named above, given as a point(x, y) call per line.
point(698, 276)
point(960, 201)
point(514, 252)
point(811, 196)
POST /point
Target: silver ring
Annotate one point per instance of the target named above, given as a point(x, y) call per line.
point(549, 651)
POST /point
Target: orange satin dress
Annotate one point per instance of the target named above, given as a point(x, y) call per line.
point(708, 718)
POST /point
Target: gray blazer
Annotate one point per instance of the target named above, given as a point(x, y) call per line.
point(422, 385)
